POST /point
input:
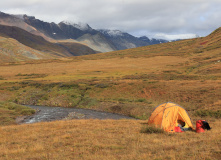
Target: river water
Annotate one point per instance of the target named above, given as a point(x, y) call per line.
point(45, 114)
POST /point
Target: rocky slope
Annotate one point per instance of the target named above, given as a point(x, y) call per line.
point(97, 42)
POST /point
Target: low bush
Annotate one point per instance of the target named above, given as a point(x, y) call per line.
point(32, 75)
point(27, 111)
point(102, 85)
point(9, 111)
point(141, 100)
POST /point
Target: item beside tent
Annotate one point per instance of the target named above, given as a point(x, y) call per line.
point(177, 129)
point(167, 116)
point(201, 125)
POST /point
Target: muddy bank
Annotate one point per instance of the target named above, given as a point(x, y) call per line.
point(45, 114)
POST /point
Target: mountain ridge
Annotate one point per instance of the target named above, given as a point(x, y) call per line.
point(72, 30)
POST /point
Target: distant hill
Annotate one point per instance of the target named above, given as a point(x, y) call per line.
point(204, 53)
point(12, 51)
point(45, 49)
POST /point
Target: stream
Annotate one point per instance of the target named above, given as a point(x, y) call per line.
point(45, 114)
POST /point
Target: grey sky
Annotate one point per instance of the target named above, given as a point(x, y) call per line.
point(159, 18)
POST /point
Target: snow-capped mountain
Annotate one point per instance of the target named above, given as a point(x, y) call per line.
point(20, 16)
point(153, 40)
point(111, 33)
point(80, 25)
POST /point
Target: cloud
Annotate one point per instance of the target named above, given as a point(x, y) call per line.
point(134, 16)
point(173, 37)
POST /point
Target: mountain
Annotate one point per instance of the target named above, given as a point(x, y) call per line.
point(123, 40)
point(153, 40)
point(116, 40)
point(80, 25)
point(63, 30)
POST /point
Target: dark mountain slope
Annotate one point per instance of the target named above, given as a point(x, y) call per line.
point(122, 40)
point(57, 31)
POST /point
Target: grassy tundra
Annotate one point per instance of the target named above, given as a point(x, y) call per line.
point(130, 82)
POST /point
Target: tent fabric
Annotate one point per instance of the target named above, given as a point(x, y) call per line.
point(166, 116)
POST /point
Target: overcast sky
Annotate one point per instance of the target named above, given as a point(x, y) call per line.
point(153, 18)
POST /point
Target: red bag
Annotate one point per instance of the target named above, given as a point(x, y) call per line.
point(199, 126)
point(177, 129)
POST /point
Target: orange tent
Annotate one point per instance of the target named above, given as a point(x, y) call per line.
point(166, 116)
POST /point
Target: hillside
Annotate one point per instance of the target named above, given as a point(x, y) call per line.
point(43, 48)
point(130, 82)
point(11, 51)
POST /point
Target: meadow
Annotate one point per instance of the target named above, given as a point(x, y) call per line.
point(130, 82)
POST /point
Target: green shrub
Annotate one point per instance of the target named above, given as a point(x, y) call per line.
point(27, 111)
point(9, 111)
point(141, 100)
point(151, 130)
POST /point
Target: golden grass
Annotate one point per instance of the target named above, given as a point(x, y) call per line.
point(123, 76)
point(116, 67)
point(105, 139)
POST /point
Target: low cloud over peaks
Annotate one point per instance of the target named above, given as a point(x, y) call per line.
point(169, 17)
